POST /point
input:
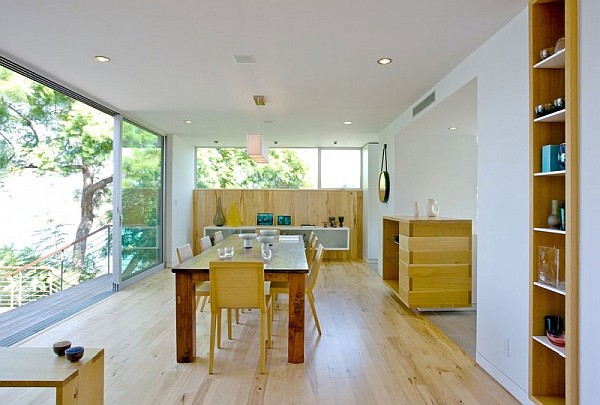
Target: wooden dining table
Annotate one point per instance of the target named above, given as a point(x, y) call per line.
point(287, 263)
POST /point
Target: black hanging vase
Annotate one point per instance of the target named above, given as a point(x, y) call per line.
point(219, 219)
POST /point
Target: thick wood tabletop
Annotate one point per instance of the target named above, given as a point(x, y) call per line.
point(287, 255)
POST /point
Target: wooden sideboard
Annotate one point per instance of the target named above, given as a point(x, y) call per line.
point(427, 261)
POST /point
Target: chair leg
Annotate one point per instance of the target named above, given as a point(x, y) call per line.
point(311, 301)
point(262, 344)
point(229, 323)
point(219, 328)
point(270, 322)
point(211, 355)
point(203, 301)
point(237, 316)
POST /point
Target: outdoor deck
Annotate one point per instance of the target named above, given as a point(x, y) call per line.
point(22, 322)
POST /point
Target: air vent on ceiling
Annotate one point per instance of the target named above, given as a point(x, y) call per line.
point(244, 59)
point(423, 104)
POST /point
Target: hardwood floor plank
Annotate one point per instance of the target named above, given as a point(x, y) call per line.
point(373, 350)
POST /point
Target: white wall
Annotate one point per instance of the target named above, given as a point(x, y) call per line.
point(589, 194)
point(501, 69)
point(180, 184)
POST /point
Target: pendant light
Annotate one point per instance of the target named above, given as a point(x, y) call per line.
point(257, 147)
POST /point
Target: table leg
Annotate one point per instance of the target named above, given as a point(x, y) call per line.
point(296, 318)
point(91, 381)
point(68, 393)
point(185, 317)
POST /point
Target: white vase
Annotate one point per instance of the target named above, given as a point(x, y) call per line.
point(432, 208)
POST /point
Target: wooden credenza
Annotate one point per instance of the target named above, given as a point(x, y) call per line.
point(427, 261)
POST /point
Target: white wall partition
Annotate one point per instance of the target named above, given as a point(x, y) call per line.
point(500, 67)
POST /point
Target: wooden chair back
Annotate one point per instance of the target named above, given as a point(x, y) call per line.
point(218, 237)
point(184, 253)
point(313, 273)
point(310, 253)
point(205, 243)
point(237, 285)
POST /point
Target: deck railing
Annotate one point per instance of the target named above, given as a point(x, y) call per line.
point(56, 270)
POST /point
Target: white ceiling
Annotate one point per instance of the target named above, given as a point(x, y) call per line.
point(315, 60)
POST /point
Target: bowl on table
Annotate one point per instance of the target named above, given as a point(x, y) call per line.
point(265, 240)
point(60, 347)
point(74, 353)
point(247, 237)
point(268, 232)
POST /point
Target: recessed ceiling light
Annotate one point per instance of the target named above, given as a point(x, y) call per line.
point(347, 122)
point(452, 128)
point(335, 142)
point(384, 61)
point(188, 121)
point(275, 142)
point(101, 58)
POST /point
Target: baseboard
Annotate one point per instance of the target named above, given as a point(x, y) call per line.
point(514, 389)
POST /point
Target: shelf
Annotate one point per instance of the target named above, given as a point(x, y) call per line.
point(550, 230)
point(549, 287)
point(556, 116)
point(548, 400)
point(556, 61)
point(557, 173)
point(543, 340)
point(394, 285)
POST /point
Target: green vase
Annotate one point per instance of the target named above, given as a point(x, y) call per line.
point(219, 218)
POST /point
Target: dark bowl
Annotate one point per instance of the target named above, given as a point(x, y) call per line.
point(60, 347)
point(74, 353)
point(546, 52)
point(559, 103)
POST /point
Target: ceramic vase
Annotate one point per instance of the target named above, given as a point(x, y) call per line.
point(553, 219)
point(219, 218)
point(432, 208)
point(234, 219)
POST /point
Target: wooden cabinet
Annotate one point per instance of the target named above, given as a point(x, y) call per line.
point(553, 370)
point(427, 261)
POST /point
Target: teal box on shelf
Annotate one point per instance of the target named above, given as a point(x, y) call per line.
point(550, 158)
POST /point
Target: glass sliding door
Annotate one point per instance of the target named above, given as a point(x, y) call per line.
point(141, 202)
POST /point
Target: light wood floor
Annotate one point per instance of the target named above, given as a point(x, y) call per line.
point(372, 350)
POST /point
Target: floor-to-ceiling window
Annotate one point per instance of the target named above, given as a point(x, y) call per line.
point(141, 211)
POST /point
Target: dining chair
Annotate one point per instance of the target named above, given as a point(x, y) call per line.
point(202, 287)
point(282, 287)
point(312, 250)
point(239, 285)
point(205, 243)
point(218, 237)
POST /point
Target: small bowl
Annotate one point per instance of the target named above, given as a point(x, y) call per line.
point(60, 347)
point(560, 45)
point(74, 353)
point(265, 239)
point(556, 340)
point(247, 237)
point(559, 103)
point(268, 232)
point(546, 52)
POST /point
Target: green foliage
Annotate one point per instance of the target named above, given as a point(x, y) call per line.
point(232, 168)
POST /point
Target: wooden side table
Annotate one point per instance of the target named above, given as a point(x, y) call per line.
point(80, 382)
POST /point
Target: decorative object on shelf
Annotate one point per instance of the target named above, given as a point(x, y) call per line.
point(556, 340)
point(550, 158)
point(384, 178)
point(562, 218)
point(416, 209)
point(234, 219)
point(432, 208)
point(551, 266)
point(546, 52)
point(264, 219)
point(284, 220)
point(341, 220)
point(332, 222)
point(554, 326)
point(544, 109)
point(219, 218)
point(559, 103)
point(560, 45)
point(553, 218)
point(562, 156)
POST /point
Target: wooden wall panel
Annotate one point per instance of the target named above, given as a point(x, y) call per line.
point(305, 206)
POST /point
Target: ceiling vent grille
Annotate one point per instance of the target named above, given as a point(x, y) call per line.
point(423, 104)
point(244, 59)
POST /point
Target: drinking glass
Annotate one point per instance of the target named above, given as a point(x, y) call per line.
point(221, 252)
point(229, 252)
point(266, 254)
